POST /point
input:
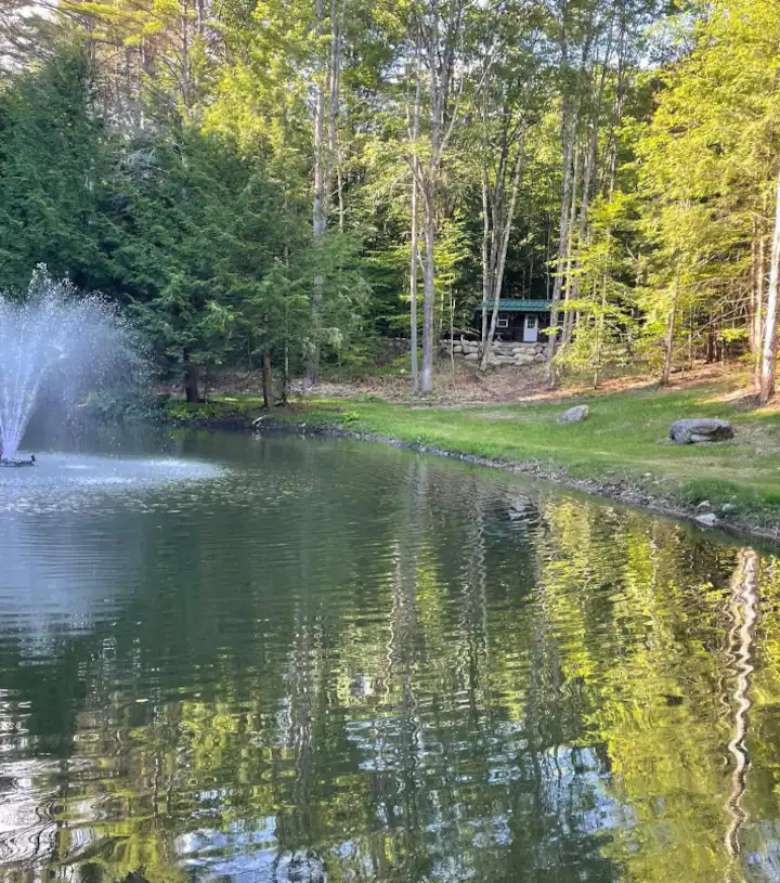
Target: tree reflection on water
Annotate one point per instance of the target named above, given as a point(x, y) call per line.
point(346, 663)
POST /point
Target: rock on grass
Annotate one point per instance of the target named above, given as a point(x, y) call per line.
point(575, 414)
point(701, 429)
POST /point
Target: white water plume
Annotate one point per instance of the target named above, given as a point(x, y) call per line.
point(57, 338)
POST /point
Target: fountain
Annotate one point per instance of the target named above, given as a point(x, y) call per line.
point(54, 338)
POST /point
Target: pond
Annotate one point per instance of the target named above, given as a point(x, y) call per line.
point(232, 659)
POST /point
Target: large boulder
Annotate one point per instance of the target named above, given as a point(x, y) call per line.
point(700, 429)
point(575, 414)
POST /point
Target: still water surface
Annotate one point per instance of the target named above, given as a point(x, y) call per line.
point(296, 660)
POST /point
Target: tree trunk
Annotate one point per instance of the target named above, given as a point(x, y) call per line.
point(268, 381)
point(666, 371)
point(589, 176)
point(757, 323)
point(487, 286)
point(502, 218)
point(414, 247)
point(753, 337)
point(711, 354)
point(429, 294)
point(769, 350)
point(568, 130)
point(452, 336)
point(429, 232)
point(413, 262)
point(319, 211)
point(567, 281)
point(285, 373)
point(438, 35)
point(582, 223)
point(334, 77)
point(600, 331)
point(191, 380)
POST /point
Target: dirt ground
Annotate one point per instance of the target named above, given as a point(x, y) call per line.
point(466, 385)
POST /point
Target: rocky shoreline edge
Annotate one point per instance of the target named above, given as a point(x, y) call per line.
point(623, 490)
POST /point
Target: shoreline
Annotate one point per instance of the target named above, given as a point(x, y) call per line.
point(622, 491)
point(620, 452)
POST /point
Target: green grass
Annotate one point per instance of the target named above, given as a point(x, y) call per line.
point(225, 410)
point(625, 438)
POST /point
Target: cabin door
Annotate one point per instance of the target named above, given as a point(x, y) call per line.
point(530, 329)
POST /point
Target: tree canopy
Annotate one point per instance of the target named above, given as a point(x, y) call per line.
point(264, 180)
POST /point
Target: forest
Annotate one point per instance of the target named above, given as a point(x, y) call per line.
point(232, 651)
point(281, 184)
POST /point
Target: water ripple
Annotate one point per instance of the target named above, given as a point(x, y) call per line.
point(323, 661)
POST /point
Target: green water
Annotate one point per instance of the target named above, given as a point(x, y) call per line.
point(297, 660)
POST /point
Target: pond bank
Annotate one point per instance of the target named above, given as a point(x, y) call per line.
point(620, 452)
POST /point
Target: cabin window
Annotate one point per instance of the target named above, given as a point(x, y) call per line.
point(530, 321)
point(502, 323)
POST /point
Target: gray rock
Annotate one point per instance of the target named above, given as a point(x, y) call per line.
point(471, 357)
point(700, 429)
point(708, 519)
point(575, 414)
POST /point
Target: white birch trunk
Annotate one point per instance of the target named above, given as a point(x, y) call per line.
point(769, 349)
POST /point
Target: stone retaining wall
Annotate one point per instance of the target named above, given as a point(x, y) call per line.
point(502, 352)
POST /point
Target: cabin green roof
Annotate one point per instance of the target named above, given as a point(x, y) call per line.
point(520, 305)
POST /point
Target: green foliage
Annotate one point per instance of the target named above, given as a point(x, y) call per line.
point(181, 182)
point(608, 335)
point(225, 412)
point(122, 403)
point(56, 160)
point(199, 241)
point(190, 232)
point(707, 165)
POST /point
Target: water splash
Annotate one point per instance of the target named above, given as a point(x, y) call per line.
point(57, 338)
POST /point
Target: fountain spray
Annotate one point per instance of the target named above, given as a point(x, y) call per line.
point(56, 338)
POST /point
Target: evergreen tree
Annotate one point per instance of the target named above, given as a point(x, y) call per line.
point(56, 164)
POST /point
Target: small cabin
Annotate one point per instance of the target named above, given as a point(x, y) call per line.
point(519, 319)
